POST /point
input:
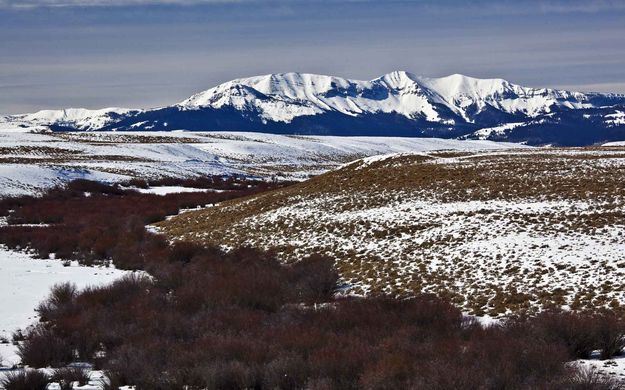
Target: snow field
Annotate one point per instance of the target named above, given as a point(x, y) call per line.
point(31, 163)
point(25, 282)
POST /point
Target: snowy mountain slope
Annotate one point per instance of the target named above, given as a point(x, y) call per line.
point(286, 96)
point(74, 118)
point(395, 104)
point(565, 128)
point(470, 96)
point(282, 97)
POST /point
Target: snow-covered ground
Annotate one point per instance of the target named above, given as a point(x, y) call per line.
point(615, 143)
point(165, 190)
point(615, 119)
point(25, 281)
point(613, 367)
point(30, 163)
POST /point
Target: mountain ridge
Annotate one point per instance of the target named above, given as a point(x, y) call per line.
point(395, 104)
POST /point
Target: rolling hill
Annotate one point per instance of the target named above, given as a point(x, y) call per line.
point(495, 232)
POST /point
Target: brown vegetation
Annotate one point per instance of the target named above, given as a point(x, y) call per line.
point(95, 223)
point(205, 319)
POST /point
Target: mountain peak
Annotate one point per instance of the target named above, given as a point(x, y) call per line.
point(400, 74)
point(398, 79)
point(459, 84)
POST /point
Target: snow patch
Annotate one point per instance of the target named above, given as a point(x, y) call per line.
point(25, 281)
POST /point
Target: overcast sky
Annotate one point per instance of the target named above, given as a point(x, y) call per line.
point(148, 53)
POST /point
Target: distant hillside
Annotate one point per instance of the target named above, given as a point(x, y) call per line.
point(32, 163)
point(494, 232)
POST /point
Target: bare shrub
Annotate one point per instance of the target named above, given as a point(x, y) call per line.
point(610, 332)
point(285, 372)
point(43, 347)
point(227, 375)
point(316, 279)
point(61, 297)
point(67, 376)
point(25, 380)
point(576, 331)
point(585, 378)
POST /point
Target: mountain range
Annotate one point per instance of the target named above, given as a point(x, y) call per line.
point(396, 104)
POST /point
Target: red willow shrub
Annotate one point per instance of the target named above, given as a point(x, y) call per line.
point(580, 333)
point(93, 222)
point(206, 319)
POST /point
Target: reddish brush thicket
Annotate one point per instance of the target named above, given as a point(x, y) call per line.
point(94, 222)
point(579, 333)
point(205, 319)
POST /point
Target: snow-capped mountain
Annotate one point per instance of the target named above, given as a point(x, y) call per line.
point(71, 118)
point(396, 104)
point(283, 97)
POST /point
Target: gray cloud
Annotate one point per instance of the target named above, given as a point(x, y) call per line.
point(152, 56)
point(26, 4)
point(500, 6)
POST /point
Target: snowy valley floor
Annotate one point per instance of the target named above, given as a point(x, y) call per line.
point(30, 163)
point(25, 282)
